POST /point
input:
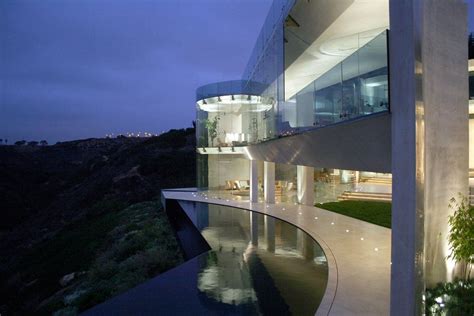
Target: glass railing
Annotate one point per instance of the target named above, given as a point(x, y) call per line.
point(355, 87)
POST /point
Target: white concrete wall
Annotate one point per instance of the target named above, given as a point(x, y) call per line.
point(428, 71)
point(446, 128)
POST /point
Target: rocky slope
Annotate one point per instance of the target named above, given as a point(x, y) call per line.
point(45, 191)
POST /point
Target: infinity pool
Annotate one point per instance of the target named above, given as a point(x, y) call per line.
point(239, 263)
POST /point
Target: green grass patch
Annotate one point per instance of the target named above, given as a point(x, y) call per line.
point(378, 213)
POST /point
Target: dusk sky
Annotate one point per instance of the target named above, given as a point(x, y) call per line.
point(78, 69)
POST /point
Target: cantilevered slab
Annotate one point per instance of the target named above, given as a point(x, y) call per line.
point(359, 144)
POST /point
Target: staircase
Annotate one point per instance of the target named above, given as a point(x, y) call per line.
point(365, 196)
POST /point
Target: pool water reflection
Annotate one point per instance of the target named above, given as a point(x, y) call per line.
point(258, 264)
point(238, 262)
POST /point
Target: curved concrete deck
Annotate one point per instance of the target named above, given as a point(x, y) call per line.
point(358, 252)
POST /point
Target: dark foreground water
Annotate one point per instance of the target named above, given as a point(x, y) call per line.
point(240, 263)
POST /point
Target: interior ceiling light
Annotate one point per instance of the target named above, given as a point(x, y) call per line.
point(235, 104)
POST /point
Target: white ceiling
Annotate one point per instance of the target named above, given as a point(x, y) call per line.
point(353, 28)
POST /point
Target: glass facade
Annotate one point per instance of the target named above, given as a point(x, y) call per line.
point(266, 63)
point(231, 113)
point(285, 183)
point(352, 82)
point(226, 176)
point(256, 109)
point(355, 87)
point(332, 185)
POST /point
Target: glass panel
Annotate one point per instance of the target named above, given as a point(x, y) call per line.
point(285, 183)
point(329, 97)
point(356, 86)
point(373, 72)
point(350, 87)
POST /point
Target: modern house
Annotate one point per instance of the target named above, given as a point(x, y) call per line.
point(340, 100)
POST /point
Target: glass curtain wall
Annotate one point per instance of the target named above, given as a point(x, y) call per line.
point(285, 183)
point(227, 177)
point(266, 65)
point(329, 184)
point(332, 185)
point(355, 87)
point(229, 114)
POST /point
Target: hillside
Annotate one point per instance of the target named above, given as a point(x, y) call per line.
point(64, 207)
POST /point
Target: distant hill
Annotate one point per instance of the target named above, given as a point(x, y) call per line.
point(48, 192)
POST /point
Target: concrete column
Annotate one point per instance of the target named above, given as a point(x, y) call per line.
point(428, 101)
point(357, 177)
point(253, 181)
point(270, 233)
point(269, 181)
point(305, 185)
point(446, 129)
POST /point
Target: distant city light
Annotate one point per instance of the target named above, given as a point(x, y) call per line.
point(133, 134)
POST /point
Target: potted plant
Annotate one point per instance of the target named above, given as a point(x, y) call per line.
point(461, 235)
